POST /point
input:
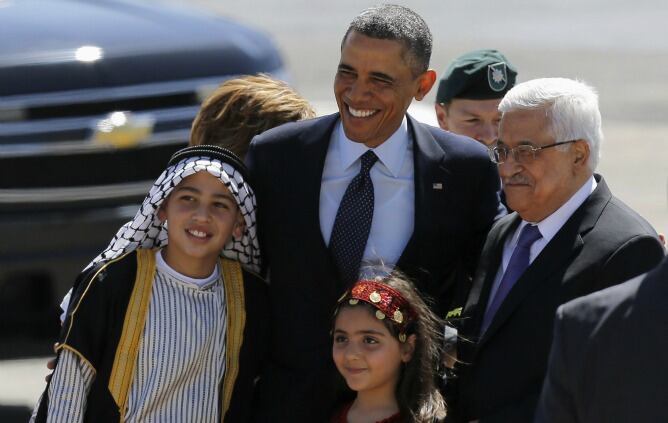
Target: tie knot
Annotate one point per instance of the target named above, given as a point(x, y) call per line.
point(528, 236)
point(368, 160)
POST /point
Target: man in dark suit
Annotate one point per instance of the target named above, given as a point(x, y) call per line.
point(608, 360)
point(434, 197)
point(568, 237)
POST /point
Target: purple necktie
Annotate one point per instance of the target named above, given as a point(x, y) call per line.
point(353, 222)
point(518, 263)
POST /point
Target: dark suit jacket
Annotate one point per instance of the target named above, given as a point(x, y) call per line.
point(456, 201)
point(608, 361)
point(602, 244)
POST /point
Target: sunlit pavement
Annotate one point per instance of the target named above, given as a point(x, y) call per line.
point(22, 381)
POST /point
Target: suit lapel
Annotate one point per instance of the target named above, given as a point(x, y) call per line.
point(429, 175)
point(314, 145)
point(557, 254)
point(488, 266)
point(554, 256)
point(592, 208)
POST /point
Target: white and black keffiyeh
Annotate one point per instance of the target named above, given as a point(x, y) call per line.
point(147, 231)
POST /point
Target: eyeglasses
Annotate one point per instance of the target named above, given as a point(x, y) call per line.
point(522, 153)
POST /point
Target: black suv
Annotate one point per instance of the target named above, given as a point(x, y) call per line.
point(94, 98)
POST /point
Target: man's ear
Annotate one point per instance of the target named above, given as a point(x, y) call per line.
point(162, 213)
point(239, 226)
point(425, 81)
point(442, 116)
point(581, 153)
point(408, 348)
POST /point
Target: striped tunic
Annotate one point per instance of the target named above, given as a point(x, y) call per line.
point(181, 359)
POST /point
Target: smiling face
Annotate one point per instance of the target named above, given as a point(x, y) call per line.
point(478, 119)
point(202, 216)
point(366, 354)
point(374, 85)
point(537, 188)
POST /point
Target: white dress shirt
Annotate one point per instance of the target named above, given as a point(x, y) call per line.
point(548, 228)
point(394, 192)
point(162, 265)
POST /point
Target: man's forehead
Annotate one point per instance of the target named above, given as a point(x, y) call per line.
point(525, 119)
point(476, 106)
point(352, 34)
point(362, 42)
point(203, 180)
point(525, 126)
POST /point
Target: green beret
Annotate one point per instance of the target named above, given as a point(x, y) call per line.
point(477, 75)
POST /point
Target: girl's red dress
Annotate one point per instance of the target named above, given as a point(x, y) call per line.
point(342, 416)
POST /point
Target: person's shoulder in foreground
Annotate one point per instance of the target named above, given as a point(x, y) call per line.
point(607, 361)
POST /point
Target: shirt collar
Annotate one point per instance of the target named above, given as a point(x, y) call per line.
point(391, 153)
point(549, 226)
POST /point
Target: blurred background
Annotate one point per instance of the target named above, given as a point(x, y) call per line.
point(619, 48)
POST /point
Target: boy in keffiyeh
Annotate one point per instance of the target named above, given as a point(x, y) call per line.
point(167, 324)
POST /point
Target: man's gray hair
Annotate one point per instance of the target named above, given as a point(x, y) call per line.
point(571, 108)
point(397, 23)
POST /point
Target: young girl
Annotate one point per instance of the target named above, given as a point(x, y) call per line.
point(387, 346)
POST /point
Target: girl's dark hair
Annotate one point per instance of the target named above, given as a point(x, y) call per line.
point(418, 397)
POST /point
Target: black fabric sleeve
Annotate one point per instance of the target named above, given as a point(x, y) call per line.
point(635, 257)
point(254, 166)
point(254, 350)
point(556, 402)
point(489, 211)
point(96, 313)
point(92, 327)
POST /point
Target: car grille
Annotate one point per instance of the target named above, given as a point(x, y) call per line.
point(33, 123)
point(47, 139)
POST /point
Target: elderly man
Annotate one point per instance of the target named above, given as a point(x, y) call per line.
point(470, 91)
point(367, 185)
point(568, 237)
point(608, 360)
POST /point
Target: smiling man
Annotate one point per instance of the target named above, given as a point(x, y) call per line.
point(569, 237)
point(367, 185)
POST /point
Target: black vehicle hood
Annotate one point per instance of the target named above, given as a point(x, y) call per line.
point(139, 43)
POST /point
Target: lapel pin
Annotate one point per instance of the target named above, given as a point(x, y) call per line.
point(437, 185)
point(456, 312)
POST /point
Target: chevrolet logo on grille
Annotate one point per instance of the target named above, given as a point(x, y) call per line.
point(123, 129)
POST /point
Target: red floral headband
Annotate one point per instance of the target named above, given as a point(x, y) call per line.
point(387, 301)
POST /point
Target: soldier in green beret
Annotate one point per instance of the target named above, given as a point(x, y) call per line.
point(470, 91)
